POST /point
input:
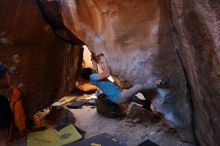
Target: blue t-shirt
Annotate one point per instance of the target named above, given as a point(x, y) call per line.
point(110, 89)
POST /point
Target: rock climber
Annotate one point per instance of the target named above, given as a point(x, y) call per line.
point(111, 90)
point(5, 111)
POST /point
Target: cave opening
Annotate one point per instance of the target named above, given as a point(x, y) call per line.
point(80, 108)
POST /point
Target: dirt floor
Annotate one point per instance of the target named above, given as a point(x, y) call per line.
point(125, 129)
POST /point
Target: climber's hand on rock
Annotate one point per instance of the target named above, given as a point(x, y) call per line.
point(93, 57)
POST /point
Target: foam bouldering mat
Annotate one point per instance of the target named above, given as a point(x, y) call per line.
point(42, 138)
point(64, 100)
point(53, 137)
point(81, 132)
point(148, 143)
point(99, 140)
point(79, 103)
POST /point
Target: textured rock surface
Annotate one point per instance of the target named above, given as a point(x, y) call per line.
point(197, 27)
point(136, 38)
point(176, 39)
point(108, 109)
point(40, 64)
point(60, 116)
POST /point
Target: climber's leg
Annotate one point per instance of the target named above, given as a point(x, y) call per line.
point(126, 94)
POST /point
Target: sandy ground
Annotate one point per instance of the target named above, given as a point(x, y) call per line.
point(124, 130)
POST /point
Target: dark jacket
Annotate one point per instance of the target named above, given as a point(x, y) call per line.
point(5, 113)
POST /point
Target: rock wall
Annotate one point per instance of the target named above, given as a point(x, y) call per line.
point(136, 38)
point(197, 38)
point(43, 66)
point(142, 40)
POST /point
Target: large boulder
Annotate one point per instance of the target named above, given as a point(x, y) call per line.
point(136, 38)
point(197, 38)
point(40, 64)
point(60, 116)
point(108, 109)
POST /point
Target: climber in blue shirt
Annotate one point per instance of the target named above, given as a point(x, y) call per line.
point(111, 90)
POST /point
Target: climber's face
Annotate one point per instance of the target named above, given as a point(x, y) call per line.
point(5, 81)
point(100, 58)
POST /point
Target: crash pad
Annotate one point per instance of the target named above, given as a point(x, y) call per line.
point(148, 143)
point(43, 138)
point(64, 100)
point(102, 139)
point(79, 103)
point(52, 137)
point(68, 134)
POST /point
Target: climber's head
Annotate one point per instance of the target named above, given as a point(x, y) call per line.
point(99, 57)
point(86, 72)
point(4, 76)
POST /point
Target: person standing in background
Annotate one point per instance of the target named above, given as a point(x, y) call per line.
point(5, 110)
